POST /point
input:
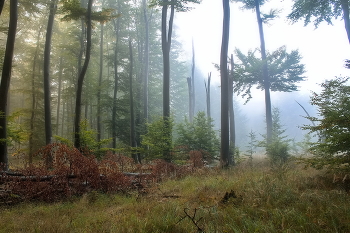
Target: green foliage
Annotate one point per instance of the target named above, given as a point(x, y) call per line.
point(158, 138)
point(250, 4)
point(284, 71)
point(72, 10)
point(88, 140)
point(252, 144)
point(277, 149)
point(180, 5)
point(198, 135)
point(333, 149)
point(316, 11)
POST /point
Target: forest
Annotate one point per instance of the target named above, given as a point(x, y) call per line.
point(101, 97)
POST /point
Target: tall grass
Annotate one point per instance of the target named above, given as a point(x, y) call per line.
point(288, 199)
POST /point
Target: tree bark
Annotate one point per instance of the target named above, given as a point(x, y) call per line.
point(99, 88)
point(345, 8)
point(132, 115)
point(232, 115)
point(146, 63)
point(59, 95)
point(81, 77)
point(5, 82)
point(265, 75)
point(225, 144)
point(166, 44)
point(207, 88)
point(47, 81)
point(115, 91)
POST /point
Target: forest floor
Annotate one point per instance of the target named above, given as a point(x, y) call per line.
point(245, 198)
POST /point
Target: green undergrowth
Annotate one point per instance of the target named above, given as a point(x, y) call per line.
point(258, 199)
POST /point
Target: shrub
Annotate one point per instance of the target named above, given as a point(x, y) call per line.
point(332, 150)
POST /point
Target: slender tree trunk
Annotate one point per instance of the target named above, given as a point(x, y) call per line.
point(232, 115)
point(5, 83)
point(207, 89)
point(132, 116)
point(33, 95)
point(99, 88)
point(59, 95)
point(166, 44)
point(193, 99)
point(1, 5)
point(345, 8)
point(47, 81)
point(265, 75)
point(190, 102)
point(77, 142)
point(225, 137)
point(115, 91)
point(146, 63)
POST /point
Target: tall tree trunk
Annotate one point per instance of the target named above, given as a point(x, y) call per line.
point(345, 8)
point(33, 95)
point(99, 88)
point(265, 75)
point(132, 115)
point(47, 81)
point(166, 44)
point(59, 95)
point(146, 63)
point(77, 142)
point(225, 137)
point(5, 83)
point(207, 89)
point(232, 114)
point(189, 84)
point(115, 91)
point(193, 99)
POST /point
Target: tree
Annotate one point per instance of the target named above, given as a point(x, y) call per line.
point(277, 149)
point(5, 82)
point(285, 71)
point(166, 31)
point(255, 5)
point(321, 10)
point(207, 92)
point(82, 76)
point(47, 82)
point(333, 149)
point(198, 135)
point(225, 136)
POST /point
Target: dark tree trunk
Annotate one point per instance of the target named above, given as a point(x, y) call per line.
point(345, 8)
point(146, 63)
point(33, 95)
point(59, 95)
point(232, 115)
point(225, 137)
point(47, 81)
point(265, 75)
point(99, 88)
point(81, 77)
point(1, 5)
point(5, 83)
point(166, 44)
point(115, 91)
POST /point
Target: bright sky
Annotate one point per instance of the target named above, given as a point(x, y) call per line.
point(323, 49)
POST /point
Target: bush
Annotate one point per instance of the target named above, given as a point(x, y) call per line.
point(333, 147)
point(198, 135)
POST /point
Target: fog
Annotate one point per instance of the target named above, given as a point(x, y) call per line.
point(323, 52)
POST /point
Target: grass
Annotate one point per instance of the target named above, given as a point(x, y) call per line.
point(288, 199)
